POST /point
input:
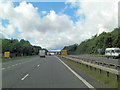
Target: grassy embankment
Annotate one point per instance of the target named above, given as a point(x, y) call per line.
point(109, 82)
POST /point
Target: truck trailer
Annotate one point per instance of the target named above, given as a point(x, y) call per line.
point(42, 53)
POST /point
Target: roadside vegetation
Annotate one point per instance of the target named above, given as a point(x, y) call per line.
point(19, 48)
point(108, 82)
point(97, 44)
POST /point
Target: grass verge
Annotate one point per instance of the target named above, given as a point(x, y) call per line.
point(14, 58)
point(96, 55)
point(92, 55)
point(109, 82)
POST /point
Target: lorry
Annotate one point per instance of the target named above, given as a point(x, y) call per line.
point(112, 52)
point(42, 53)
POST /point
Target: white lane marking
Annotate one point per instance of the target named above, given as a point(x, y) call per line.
point(38, 65)
point(16, 64)
point(19, 63)
point(79, 77)
point(25, 76)
point(3, 68)
point(8, 67)
point(13, 65)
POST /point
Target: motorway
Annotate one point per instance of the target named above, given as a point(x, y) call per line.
point(98, 59)
point(36, 72)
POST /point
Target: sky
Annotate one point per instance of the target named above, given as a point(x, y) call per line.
point(53, 25)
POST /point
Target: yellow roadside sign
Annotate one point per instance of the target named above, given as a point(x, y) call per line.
point(55, 53)
point(6, 54)
point(63, 52)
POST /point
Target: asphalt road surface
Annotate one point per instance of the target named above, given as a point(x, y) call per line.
point(38, 72)
point(98, 59)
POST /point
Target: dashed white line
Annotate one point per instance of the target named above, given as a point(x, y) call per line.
point(13, 65)
point(79, 77)
point(25, 76)
point(38, 65)
point(8, 67)
point(3, 68)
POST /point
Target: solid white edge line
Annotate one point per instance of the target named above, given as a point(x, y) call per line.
point(79, 77)
point(25, 76)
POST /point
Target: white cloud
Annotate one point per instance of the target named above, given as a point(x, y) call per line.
point(100, 15)
point(5, 32)
point(54, 31)
point(51, 31)
point(44, 12)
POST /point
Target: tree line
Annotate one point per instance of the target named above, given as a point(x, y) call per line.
point(19, 48)
point(97, 44)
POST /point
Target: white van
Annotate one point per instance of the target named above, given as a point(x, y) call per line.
point(112, 52)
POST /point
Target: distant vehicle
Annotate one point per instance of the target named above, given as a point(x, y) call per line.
point(51, 54)
point(112, 52)
point(42, 53)
point(48, 54)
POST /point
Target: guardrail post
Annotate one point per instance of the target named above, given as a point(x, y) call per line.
point(117, 77)
point(102, 64)
point(100, 71)
point(90, 67)
point(116, 67)
point(107, 74)
point(108, 65)
point(99, 68)
point(98, 63)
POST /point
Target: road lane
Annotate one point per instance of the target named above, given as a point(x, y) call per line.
point(78, 76)
point(46, 72)
point(14, 62)
point(98, 59)
point(12, 75)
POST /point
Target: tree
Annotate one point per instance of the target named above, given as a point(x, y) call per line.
point(90, 46)
point(18, 48)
